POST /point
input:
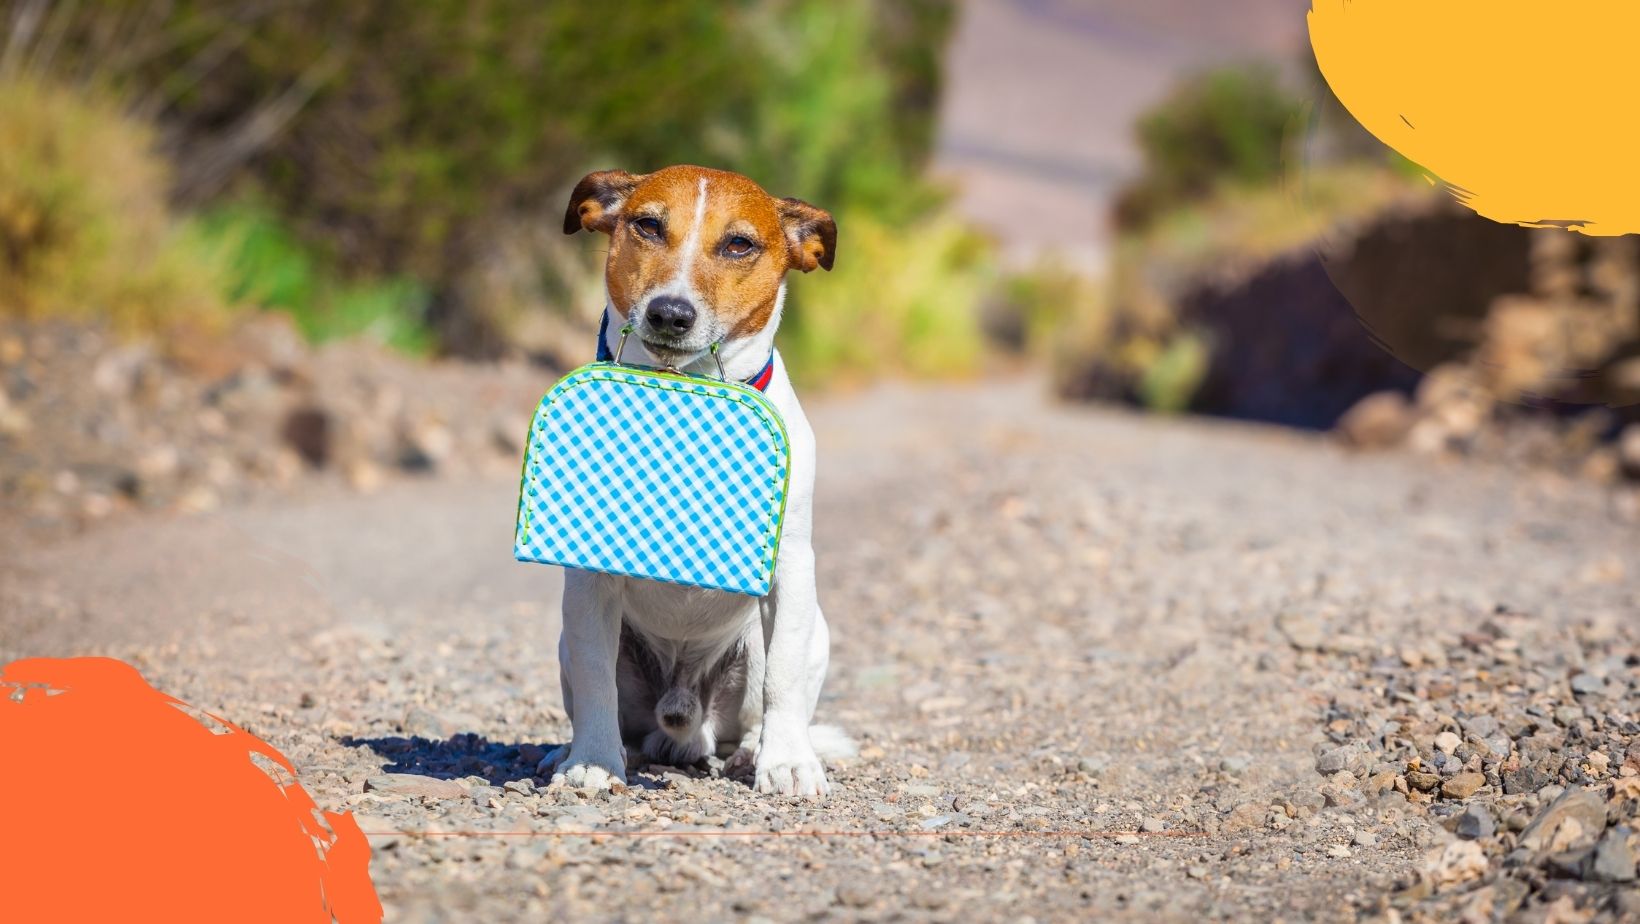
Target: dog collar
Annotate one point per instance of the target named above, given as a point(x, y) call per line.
point(760, 381)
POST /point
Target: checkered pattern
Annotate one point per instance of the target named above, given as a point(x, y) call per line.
point(655, 475)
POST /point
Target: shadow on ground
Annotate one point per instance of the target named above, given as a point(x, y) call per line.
point(460, 755)
point(468, 754)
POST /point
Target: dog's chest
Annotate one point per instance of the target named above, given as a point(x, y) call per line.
point(686, 615)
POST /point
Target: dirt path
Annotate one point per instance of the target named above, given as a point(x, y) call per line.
point(1050, 626)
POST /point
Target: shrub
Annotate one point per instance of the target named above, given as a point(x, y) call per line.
point(266, 266)
point(1222, 127)
point(900, 299)
point(84, 227)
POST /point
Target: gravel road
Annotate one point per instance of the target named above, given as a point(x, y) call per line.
point(1098, 663)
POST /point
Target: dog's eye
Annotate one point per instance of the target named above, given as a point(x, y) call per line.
point(738, 246)
point(648, 227)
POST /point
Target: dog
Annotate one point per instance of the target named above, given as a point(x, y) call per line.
point(697, 260)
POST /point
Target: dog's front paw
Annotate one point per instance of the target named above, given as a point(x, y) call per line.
point(570, 769)
point(788, 766)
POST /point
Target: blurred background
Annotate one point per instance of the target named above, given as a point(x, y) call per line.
point(242, 243)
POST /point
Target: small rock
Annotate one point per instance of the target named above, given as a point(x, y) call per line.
point(412, 785)
point(1302, 631)
point(1570, 864)
point(1628, 450)
point(1365, 839)
point(1340, 851)
point(1457, 862)
point(1422, 780)
point(1337, 759)
point(1463, 785)
point(308, 431)
point(1588, 683)
point(1235, 766)
point(363, 475)
point(1447, 742)
point(1245, 817)
point(1480, 726)
point(1614, 857)
point(1476, 822)
point(424, 444)
point(851, 895)
point(1575, 819)
point(1153, 825)
point(1377, 421)
point(1196, 872)
point(1092, 766)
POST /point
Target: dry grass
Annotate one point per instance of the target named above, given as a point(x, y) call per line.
point(900, 300)
point(84, 227)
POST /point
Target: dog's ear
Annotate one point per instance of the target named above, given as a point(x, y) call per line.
point(811, 234)
point(597, 199)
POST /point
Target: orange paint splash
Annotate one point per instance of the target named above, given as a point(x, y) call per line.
point(119, 804)
point(1520, 108)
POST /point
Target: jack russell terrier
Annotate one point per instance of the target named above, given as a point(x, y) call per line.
point(698, 257)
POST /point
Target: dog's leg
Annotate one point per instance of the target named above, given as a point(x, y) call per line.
point(749, 714)
point(591, 640)
point(549, 764)
point(786, 762)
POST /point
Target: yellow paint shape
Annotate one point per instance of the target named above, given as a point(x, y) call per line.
point(1527, 110)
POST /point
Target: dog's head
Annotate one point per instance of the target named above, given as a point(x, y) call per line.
point(697, 256)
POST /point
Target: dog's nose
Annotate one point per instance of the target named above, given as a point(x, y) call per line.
point(670, 314)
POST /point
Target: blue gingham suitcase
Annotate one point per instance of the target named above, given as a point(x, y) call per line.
point(655, 474)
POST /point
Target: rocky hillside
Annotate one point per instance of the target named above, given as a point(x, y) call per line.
point(1438, 328)
point(92, 424)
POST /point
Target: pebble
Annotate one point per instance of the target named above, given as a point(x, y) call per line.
point(1587, 683)
point(1476, 822)
point(1303, 631)
point(850, 895)
point(1463, 785)
point(1423, 781)
point(1334, 760)
point(1576, 817)
point(1447, 742)
point(1614, 856)
point(413, 785)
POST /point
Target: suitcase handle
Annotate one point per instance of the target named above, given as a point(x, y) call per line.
point(626, 330)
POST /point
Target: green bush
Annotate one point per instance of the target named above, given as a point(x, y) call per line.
point(265, 266)
point(84, 227)
point(1222, 127)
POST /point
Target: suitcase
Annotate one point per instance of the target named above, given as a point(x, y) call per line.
point(655, 474)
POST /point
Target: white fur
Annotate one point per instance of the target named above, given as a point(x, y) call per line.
point(785, 634)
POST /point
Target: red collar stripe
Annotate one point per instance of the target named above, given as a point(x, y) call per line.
point(762, 379)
